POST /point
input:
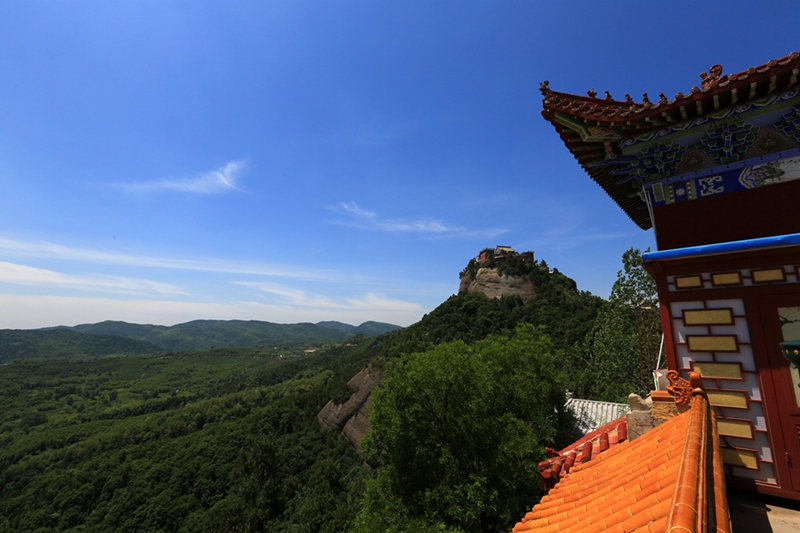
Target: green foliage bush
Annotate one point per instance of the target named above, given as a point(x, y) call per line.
point(457, 432)
point(606, 366)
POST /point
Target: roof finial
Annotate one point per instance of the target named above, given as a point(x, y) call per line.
point(544, 87)
point(645, 98)
point(608, 96)
point(628, 99)
point(592, 93)
point(662, 99)
point(713, 77)
point(680, 388)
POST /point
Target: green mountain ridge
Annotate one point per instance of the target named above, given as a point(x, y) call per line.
point(369, 328)
point(66, 344)
point(191, 336)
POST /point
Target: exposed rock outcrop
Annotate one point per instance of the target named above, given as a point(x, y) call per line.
point(494, 285)
point(351, 417)
point(358, 426)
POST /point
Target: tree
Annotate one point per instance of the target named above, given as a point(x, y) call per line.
point(634, 286)
point(609, 366)
point(458, 431)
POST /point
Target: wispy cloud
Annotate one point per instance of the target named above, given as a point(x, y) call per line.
point(291, 296)
point(567, 241)
point(420, 225)
point(47, 250)
point(17, 274)
point(217, 181)
point(354, 209)
point(359, 217)
point(373, 301)
point(566, 233)
point(299, 298)
point(34, 311)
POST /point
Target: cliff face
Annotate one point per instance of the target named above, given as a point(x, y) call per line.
point(351, 417)
point(494, 285)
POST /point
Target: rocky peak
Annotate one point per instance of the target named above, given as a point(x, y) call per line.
point(493, 284)
point(500, 272)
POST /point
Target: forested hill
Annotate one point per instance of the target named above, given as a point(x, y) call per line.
point(203, 334)
point(65, 344)
point(369, 328)
point(217, 441)
point(566, 313)
point(228, 439)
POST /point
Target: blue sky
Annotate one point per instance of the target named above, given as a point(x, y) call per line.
point(164, 161)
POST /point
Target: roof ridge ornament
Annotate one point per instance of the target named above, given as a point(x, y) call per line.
point(680, 388)
point(592, 93)
point(713, 77)
point(635, 120)
point(683, 390)
point(544, 87)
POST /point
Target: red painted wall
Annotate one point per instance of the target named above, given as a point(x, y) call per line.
point(763, 212)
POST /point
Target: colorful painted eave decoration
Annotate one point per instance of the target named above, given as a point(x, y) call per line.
point(729, 134)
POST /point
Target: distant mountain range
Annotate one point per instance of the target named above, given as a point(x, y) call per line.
point(123, 338)
point(370, 329)
point(62, 343)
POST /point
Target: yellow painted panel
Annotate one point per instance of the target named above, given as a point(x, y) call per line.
point(688, 282)
point(730, 278)
point(700, 317)
point(718, 370)
point(739, 458)
point(774, 274)
point(712, 343)
point(735, 428)
point(719, 398)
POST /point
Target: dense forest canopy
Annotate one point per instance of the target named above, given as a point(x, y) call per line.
point(65, 344)
point(202, 334)
point(227, 439)
point(167, 443)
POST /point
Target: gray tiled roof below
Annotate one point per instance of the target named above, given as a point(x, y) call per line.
point(591, 414)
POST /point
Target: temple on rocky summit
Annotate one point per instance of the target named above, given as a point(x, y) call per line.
point(716, 173)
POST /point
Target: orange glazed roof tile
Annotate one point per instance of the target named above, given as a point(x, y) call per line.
point(668, 480)
point(588, 447)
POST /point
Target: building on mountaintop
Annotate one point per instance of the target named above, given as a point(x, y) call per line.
point(503, 250)
point(715, 173)
point(500, 252)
